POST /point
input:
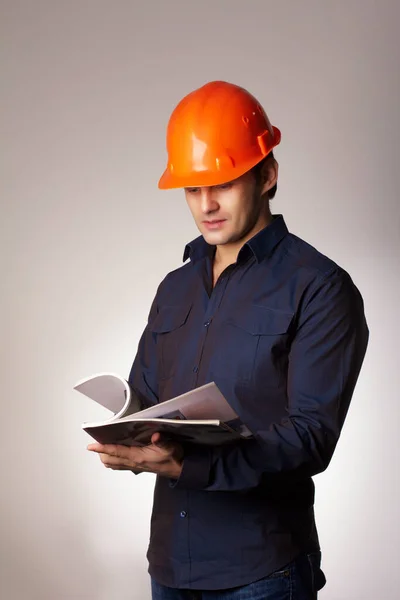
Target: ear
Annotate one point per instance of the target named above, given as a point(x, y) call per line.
point(269, 175)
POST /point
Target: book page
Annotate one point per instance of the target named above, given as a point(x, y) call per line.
point(111, 391)
point(205, 402)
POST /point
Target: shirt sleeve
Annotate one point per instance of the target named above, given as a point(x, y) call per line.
point(143, 376)
point(325, 360)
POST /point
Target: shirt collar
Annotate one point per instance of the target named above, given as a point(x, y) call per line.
point(261, 245)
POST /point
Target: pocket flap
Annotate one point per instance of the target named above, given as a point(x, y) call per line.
point(262, 320)
point(170, 318)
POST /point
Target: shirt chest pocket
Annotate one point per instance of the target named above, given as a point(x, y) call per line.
point(255, 346)
point(170, 329)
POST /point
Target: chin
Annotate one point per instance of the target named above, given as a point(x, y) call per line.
point(216, 238)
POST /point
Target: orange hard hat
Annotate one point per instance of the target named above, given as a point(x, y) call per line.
point(216, 134)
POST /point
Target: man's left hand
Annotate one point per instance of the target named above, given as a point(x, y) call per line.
point(161, 458)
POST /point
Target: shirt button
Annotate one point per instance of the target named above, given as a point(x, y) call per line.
point(206, 324)
point(183, 514)
point(195, 369)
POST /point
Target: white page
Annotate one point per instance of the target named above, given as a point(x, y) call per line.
point(205, 402)
point(108, 390)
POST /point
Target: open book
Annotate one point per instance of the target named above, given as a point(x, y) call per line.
point(201, 416)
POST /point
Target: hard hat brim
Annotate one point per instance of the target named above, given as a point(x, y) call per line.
point(170, 180)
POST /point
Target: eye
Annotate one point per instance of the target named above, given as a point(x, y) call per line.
point(192, 190)
point(224, 186)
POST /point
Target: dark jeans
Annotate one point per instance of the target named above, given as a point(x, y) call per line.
point(300, 580)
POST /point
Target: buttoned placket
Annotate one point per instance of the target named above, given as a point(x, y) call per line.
point(214, 300)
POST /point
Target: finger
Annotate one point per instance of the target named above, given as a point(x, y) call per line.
point(95, 447)
point(118, 468)
point(114, 461)
point(111, 450)
point(163, 444)
point(156, 437)
point(161, 441)
point(103, 448)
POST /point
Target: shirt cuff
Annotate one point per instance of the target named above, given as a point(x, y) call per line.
point(196, 467)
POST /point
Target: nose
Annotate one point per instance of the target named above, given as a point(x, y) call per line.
point(207, 201)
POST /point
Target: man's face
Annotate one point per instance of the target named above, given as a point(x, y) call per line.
point(226, 214)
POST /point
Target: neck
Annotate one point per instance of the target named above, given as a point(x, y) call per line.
point(226, 254)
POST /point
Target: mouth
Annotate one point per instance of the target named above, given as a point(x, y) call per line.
point(214, 223)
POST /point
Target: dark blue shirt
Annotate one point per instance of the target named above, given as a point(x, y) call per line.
point(283, 335)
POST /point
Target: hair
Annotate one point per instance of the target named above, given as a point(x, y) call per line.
point(257, 172)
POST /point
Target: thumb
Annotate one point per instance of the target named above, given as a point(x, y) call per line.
point(161, 441)
point(156, 438)
point(173, 449)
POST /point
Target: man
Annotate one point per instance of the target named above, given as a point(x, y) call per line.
point(281, 330)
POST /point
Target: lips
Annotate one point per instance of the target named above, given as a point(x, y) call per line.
point(214, 224)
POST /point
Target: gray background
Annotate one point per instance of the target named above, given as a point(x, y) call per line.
point(86, 91)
